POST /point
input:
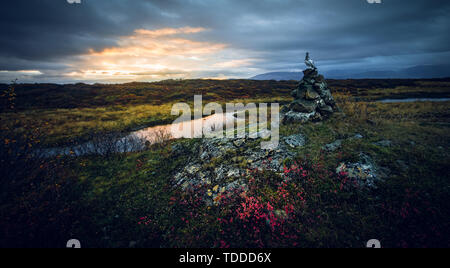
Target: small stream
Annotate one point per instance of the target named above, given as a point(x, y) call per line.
point(138, 140)
point(214, 125)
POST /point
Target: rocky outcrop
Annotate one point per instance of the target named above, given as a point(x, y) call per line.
point(225, 162)
point(312, 99)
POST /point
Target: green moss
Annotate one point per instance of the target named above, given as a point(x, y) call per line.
point(100, 200)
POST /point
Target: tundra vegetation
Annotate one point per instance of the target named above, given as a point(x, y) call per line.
point(131, 200)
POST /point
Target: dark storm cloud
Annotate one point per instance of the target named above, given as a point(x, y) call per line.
point(47, 34)
point(50, 29)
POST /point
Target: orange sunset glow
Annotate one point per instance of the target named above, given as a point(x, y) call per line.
point(157, 54)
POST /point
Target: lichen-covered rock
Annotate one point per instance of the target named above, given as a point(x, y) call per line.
point(225, 162)
point(295, 117)
point(239, 142)
point(326, 110)
point(295, 141)
point(332, 146)
point(303, 106)
point(311, 94)
point(364, 172)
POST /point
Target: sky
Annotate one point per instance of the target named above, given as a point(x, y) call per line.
point(117, 41)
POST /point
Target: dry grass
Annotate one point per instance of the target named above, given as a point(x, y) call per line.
point(358, 111)
point(65, 125)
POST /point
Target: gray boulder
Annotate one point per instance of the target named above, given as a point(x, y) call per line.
point(332, 146)
point(296, 117)
point(311, 94)
point(303, 106)
point(364, 172)
point(295, 141)
point(384, 143)
point(326, 110)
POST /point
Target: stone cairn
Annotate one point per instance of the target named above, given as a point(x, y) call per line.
point(312, 98)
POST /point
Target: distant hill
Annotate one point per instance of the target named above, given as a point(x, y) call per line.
point(279, 76)
point(416, 72)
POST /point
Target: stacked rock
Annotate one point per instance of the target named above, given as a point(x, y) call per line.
point(312, 98)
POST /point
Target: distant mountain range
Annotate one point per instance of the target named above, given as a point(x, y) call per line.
point(422, 71)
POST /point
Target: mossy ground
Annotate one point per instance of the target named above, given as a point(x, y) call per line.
point(111, 201)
